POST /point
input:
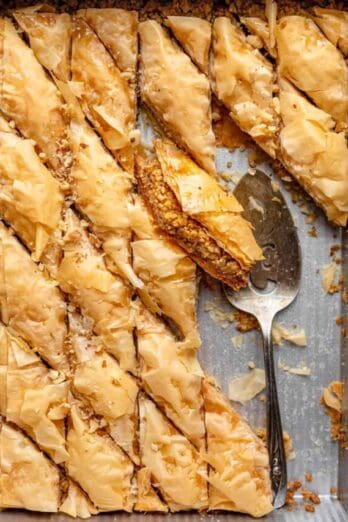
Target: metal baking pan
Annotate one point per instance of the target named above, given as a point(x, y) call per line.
point(326, 354)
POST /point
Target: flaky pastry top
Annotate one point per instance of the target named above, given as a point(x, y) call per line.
point(176, 92)
point(334, 24)
point(194, 34)
point(313, 64)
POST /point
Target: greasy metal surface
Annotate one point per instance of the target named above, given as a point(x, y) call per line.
point(276, 234)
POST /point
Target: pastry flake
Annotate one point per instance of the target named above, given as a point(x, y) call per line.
point(194, 34)
point(31, 100)
point(173, 462)
point(50, 38)
point(247, 89)
point(35, 401)
point(201, 197)
point(98, 465)
point(334, 24)
point(176, 92)
point(313, 152)
point(171, 375)
point(31, 303)
point(25, 473)
point(103, 92)
point(186, 231)
point(104, 297)
point(30, 198)
point(239, 468)
point(313, 65)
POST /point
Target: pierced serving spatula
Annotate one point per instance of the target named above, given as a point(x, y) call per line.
point(273, 285)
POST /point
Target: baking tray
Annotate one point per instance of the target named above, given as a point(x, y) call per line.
point(326, 354)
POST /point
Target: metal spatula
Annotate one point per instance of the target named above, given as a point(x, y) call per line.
point(273, 285)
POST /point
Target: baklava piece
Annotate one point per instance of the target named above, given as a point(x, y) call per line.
point(30, 198)
point(176, 93)
point(147, 498)
point(100, 383)
point(239, 467)
point(117, 29)
point(171, 375)
point(174, 463)
point(103, 92)
point(313, 152)
point(314, 65)
point(76, 503)
point(247, 89)
point(171, 285)
point(192, 208)
point(50, 38)
point(194, 34)
point(30, 100)
point(334, 25)
point(35, 398)
point(95, 462)
point(31, 303)
point(28, 479)
point(102, 296)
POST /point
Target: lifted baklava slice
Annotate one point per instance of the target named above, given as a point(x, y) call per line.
point(103, 92)
point(176, 93)
point(174, 463)
point(334, 24)
point(102, 296)
point(30, 198)
point(31, 303)
point(170, 285)
point(35, 398)
point(49, 37)
point(243, 80)
point(313, 64)
point(171, 375)
point(194, 34)
point(191, 207)
point(28, 479)
point(31, 100)
point(239, 467)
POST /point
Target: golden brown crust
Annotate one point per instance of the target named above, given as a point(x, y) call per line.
point(190, 235)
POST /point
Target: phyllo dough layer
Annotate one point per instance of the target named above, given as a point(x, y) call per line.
point(98, 465)
point(173, 461)
point(334, 25)
point(313, 65)
point(103, 92)
point(313, 152)
point(28, 480)
point(31, 303)
point(194, 34)
point(244, 81)
point(103, 297)
point(239, 467)
point(31, 100)
point(30, 198)
point(171, 284)
point(35, 398)
point(49, 37)
point(171, 375)
point(176, 92)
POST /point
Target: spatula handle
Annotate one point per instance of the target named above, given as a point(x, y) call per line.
point(275, 442)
